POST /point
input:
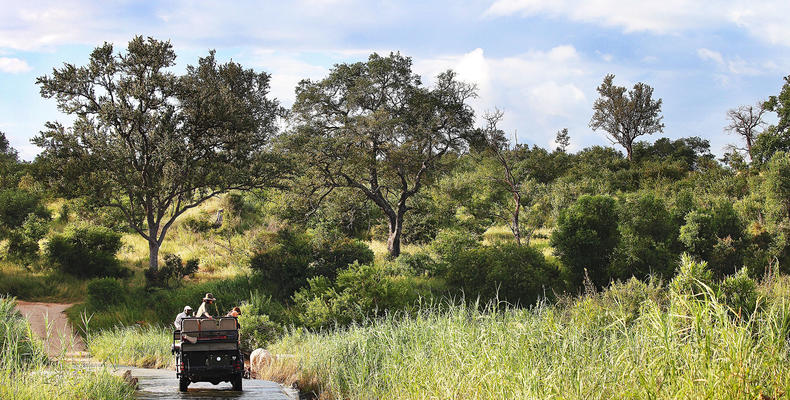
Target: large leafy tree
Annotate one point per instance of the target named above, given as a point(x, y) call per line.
point(154, 144)
point(626, 115)
point(375, 128)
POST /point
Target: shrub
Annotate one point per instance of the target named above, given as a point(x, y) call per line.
point(197, 224)
point(104, 292)
point(284, 264)
point(715, 234)
point(739, 293)
point(16, 206)
point(86, 251)
point(360, 291)
point(647, 233)
point(693, 277)
point(329, 257)
point(449, 243)
point(585, 238)
point(293, 258)
point(257, 330)
point(172, 272)
point(420, 264)
point(518, 274)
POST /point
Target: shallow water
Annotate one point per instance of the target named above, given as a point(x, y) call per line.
point(162, 384)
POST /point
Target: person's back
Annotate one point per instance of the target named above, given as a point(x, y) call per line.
point(202, 310)
point(187, 313)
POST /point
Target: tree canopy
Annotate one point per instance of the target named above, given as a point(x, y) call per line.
point(154, 144)
point(374, 127)
point(626, 115)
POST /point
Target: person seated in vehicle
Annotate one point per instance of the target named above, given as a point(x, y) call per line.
point(202, 312)
point(187, 313)
point(234, 312)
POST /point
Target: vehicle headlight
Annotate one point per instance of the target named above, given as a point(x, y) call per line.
point(219, 358)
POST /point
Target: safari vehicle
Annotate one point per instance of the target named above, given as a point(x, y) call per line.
point(207, 350)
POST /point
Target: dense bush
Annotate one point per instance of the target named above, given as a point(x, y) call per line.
point(647, 236)
point(586, 237)
point(739, 293)
point(693, 278)
point(15, 207)
point(172, 272)
point(104, 292)
point(360, 291)
point(86, 251)
point(513, 273)
point(257, 329)
point(715, 234)
point(292, 258)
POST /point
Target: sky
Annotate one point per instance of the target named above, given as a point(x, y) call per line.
point(538, 61)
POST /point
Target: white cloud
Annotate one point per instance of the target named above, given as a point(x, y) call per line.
point(13, 65)
point(539, 91)
point(766, 20)
point(707, 54)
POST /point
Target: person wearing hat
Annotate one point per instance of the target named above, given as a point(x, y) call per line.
point(187, 313)
point(202, 311)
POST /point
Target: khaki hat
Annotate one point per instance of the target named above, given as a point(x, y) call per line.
point(209, 296)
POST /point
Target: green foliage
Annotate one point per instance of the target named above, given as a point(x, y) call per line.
point(509, 272)
point(777, 186)
point(626, 116)
point(739, 292)
point(104, 292)
point(693, 278)
point(715, 233)
point(781, 105)
point(360, 291)
point(374, 128)
point(172, 273)
point(257, 330)
point(152, 144)
point(586, 237)
point(647, 235)
point(15, 208)
point(450, 243)
point(292, 257)
point(86, 251)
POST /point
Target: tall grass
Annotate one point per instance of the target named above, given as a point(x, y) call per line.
point(636, 341)
point(147, 347)
point(39, 286)
point(27, 373)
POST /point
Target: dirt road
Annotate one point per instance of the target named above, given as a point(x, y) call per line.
point(50, 316)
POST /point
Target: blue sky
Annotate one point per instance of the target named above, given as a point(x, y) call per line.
point(538, 61)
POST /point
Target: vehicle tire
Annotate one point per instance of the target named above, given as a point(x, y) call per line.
point(183, 384)
point(236, 382)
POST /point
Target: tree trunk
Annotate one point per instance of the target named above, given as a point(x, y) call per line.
point(153, 254)
point(516, 228)
point(749, 147)
point(393, 242)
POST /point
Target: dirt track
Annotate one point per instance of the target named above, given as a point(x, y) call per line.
point(61, 336)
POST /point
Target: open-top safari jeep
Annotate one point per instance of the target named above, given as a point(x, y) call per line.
point(207, 350)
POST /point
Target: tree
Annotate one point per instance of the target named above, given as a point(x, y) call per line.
point(153, 144)
point(586, 237)
point(9, 163)
point(563, 139)
point(626, 116)
point(744, 120)
point(781, 106)
point(372, 126)
point(513, 180)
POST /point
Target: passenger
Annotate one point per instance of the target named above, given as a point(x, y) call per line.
point(202, 311)
point(187, 313)
point(235, 312)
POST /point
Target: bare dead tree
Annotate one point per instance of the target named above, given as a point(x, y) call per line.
point(744, 120)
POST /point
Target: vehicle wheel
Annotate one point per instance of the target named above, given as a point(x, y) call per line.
point(183, 384)
point(236, 382)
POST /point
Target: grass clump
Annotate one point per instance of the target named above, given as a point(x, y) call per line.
point(147, 347)
point(634, 340)
point(27, 373)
